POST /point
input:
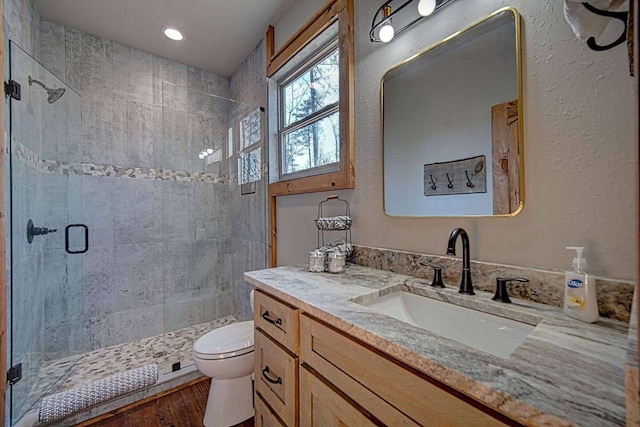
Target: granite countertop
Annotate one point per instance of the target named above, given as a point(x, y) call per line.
point(565, 373)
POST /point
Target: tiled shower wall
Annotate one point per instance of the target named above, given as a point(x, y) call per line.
point(249, 241)
point(159, 257)
point(170, 237)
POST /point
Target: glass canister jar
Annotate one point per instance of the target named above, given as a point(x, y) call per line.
point(316, 261)
point(337, 262)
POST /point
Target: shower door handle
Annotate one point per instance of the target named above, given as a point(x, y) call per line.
point(66, 238)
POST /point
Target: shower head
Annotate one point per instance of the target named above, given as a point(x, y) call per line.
point(53, 94)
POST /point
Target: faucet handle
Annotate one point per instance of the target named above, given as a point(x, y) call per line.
point(437, 274)
point(501, 288)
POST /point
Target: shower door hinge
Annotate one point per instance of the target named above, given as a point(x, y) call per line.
point(12, 89)
point(14, 374)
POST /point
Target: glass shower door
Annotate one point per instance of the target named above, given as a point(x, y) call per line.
point(47, 240)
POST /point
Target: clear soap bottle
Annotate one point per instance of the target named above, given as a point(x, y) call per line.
point(580, 301)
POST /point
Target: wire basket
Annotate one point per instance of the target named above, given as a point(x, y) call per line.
point(335, 223)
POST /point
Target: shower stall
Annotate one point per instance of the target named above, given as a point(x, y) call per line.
point(126, 219)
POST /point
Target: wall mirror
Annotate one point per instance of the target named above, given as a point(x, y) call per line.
point(452, 125)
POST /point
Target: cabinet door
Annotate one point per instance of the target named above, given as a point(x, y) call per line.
point(276, 381)
point(264, 416)
point(320, 406)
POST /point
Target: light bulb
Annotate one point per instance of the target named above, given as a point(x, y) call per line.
point(173, 33)
point(426, 7)
point(386, 32)
point(202, 156)
point(209, 150)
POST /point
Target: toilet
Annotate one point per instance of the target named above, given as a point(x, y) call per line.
point(226, 355)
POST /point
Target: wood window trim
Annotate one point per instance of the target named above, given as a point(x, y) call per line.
point(334, 10)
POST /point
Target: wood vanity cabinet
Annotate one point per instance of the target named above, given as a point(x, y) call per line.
point(324, 377)
point(276, 345)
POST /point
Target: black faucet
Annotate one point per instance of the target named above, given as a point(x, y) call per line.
point(466, 287)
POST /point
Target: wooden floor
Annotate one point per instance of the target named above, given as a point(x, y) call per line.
point(184, 408)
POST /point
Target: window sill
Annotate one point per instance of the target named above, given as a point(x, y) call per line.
point(340, 180)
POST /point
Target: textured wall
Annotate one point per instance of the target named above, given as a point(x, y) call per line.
point(248, 212)
point(21, 24)
point(579, 157)
point(159, 257)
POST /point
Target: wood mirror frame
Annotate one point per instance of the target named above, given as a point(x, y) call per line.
point(344, 178)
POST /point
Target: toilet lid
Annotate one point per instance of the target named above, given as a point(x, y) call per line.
point(228, 341)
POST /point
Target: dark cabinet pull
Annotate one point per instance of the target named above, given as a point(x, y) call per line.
point(265, 371)
point(266, 317)
point(66, 238)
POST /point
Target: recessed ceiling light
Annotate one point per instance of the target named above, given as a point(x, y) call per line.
point(173, 33)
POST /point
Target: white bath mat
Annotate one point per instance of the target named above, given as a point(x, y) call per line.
point(65, 403)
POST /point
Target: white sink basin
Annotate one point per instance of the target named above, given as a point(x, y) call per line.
point(493, 334)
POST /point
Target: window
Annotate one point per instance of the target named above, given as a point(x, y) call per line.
point(309, 116)
point(250, 166)
point(250, 154)
point(250, 129)
point(311, 98)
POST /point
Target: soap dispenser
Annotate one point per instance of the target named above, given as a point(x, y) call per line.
point(580, 301)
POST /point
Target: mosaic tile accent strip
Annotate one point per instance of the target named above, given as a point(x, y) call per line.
point(163, 350)
point(545, 287)
point(21, 152)
point(63, 404)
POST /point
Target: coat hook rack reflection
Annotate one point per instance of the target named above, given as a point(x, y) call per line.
point(622, 16)
point(439, 179)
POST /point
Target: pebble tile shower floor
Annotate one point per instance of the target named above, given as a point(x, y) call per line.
point(165, 350)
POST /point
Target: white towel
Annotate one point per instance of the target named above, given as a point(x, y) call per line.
point(65, 403)
point(587, 24)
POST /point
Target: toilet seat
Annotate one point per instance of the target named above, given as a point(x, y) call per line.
point(226, 342)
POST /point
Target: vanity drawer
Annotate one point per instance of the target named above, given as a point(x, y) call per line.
point(394, 394)
point(321, 406)
point(264, 417)
point(276, 373)
point(278, 320)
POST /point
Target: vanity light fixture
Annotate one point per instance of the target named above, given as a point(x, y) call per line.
point(381, 28)
point(173, 33)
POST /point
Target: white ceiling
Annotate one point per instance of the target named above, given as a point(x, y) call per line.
point(219, 34)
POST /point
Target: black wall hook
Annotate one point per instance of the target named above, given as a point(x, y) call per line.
point(469, 183)
point(622, 16)
point(433, 184)
point(450, 184)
